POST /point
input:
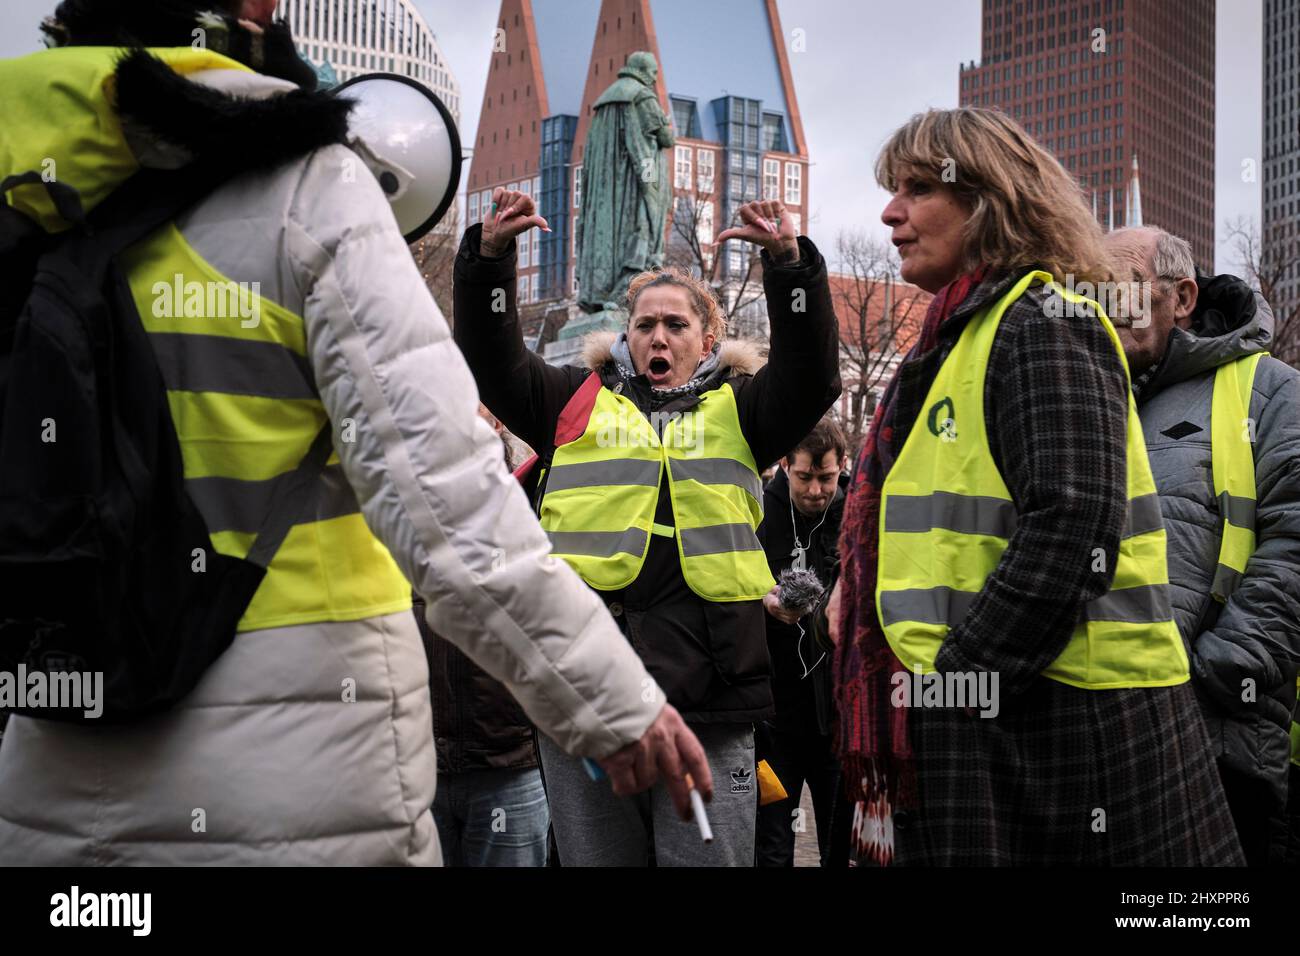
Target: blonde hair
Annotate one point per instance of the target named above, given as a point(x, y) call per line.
point(1027, 211)
point(703, 301)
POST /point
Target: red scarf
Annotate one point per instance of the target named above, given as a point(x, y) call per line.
point(871, 735)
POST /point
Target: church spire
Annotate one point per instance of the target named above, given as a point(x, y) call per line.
point(1133, 208)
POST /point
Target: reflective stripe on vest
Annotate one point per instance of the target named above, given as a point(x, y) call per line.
point(1232, 450)
point(972, 514)
point(947, 517)
point(246, 409)
point(602, 491)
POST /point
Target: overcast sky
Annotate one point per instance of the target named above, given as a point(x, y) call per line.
point(868, 66)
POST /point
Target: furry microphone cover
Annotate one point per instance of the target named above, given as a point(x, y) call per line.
point(799, 590)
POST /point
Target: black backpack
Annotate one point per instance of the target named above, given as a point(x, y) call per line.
point(106, 566)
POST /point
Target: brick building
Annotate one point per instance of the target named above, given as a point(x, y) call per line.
point(1107, 85)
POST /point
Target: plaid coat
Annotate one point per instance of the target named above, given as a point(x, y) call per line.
point(1061, 775)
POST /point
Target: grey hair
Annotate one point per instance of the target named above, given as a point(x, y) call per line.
point(1173, 257)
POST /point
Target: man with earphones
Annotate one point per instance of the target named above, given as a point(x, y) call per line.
point(803, 505)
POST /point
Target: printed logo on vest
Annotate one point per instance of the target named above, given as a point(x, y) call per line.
point(943, 420)
point(742, 780)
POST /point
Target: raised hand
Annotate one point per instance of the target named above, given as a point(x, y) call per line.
point(511, 214)
point(765, 223)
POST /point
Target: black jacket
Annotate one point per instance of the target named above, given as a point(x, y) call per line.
point(806, 701)
point(476, 723)
point(1253, 640)
point(709, 658)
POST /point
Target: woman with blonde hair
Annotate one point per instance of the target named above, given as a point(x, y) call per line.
point(1010, 684)
point(647, 481)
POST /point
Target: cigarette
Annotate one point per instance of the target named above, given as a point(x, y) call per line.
point(697, 807)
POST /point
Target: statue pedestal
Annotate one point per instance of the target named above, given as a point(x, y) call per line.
point(567, 347)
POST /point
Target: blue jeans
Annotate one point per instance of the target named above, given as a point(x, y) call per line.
point(492, 818)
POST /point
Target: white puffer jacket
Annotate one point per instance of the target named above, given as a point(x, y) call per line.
point(265, 762)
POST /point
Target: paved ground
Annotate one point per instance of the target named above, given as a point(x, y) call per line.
point(805, 844)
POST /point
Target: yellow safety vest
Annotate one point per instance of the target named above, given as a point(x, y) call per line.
point(601, 491)
point(1295, 729)
point(947, 515)
point(1232, 452)
point(241, 394)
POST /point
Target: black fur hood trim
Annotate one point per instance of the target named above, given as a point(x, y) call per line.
point(242, 134)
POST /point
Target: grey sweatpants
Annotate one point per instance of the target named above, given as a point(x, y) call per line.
point(595, 828)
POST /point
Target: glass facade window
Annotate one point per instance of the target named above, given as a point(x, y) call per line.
point(771, 179)
point(682, 167)
point(793, 184)
point(774, 134)
point(686, 120)
point(704, 163)
point(551, 188)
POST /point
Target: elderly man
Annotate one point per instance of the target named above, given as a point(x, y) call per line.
point(1222, 425)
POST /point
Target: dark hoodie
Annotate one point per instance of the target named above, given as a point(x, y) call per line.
point(1255, 636)
point(799, 698)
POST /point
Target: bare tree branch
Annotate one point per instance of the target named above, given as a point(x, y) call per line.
point(879, 317)
point(435, 255)
point(1268, 259)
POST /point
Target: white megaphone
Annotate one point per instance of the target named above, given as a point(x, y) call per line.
point(408, 139)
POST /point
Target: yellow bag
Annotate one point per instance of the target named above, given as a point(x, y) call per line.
point(769, 787)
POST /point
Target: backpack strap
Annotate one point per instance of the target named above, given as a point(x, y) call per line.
point(66, 199)
point(290, 499)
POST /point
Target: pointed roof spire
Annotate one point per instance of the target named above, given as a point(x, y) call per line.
point(1133, 208)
